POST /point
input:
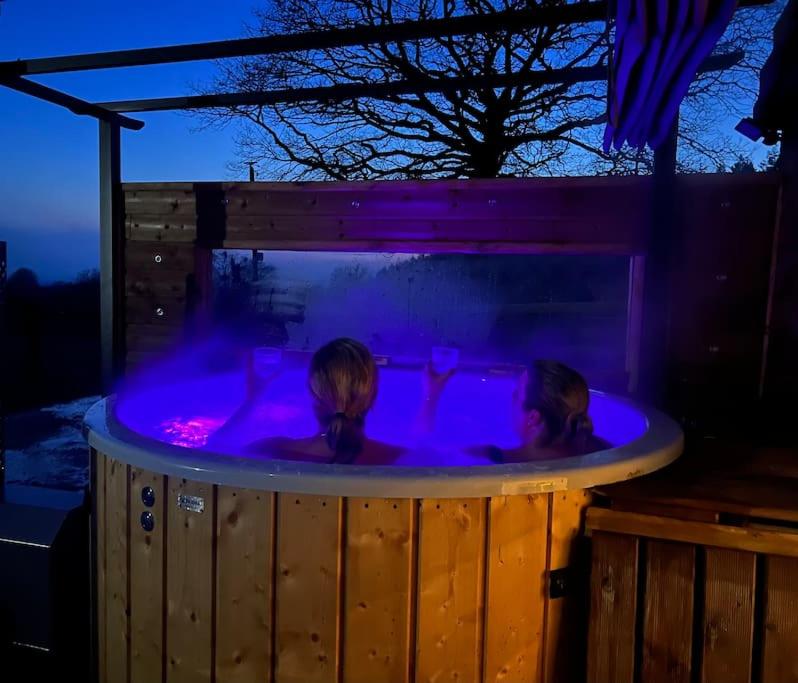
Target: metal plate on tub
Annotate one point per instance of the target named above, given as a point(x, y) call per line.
point(190, 503)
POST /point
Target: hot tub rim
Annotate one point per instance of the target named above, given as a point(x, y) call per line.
point(660, 445)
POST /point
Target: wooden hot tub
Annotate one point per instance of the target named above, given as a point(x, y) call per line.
point(214, 568)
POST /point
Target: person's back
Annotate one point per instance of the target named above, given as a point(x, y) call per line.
point(550, 413)
point(342, 381)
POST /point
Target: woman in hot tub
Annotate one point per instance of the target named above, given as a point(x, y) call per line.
point(550, 414)
point(342, 381)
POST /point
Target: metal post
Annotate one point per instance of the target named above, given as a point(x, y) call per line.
point(111, 255)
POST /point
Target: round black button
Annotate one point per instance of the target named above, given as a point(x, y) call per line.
point(147, 520)
point(148, 496)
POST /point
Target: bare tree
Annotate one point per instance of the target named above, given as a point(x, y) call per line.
point(550, 129)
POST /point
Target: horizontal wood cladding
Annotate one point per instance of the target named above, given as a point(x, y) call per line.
point(161, 228)
point(161, 201)
point(590, 214)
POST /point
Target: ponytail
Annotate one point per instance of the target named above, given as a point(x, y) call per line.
point(345, 437)
point(578, 424)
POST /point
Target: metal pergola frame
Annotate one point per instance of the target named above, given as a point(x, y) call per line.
point(110, 115)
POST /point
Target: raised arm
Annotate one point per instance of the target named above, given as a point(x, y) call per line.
point(433, 384)
point(236, 432)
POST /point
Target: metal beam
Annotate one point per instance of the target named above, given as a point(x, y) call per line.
point(75, 105)
point(112, 237)
point(348, 91)
point(515, 21)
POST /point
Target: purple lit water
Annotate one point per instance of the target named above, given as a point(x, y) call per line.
point(475, 410)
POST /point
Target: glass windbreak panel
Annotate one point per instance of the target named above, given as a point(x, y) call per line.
point(494, 309)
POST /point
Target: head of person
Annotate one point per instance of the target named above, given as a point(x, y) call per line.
point(343, 383)
point(551, 404)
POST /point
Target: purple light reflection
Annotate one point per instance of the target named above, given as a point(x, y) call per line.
point(474, 410)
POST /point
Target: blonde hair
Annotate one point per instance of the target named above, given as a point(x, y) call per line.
point(560, 395)
point(343, 383)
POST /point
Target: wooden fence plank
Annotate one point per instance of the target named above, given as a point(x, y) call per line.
point(307, 591)
point(171, 201)
point(101, 522)
point(189, 584)
point(717, 535)
point(516, 588)
point(146, 579)
point(244, 585)
point(451, 571)
point(160, 228)
point(613, 609)
point(668, 615)
point(780, 633)
point(378, 590)
point(728, 616)
point(116, 580)
point(566, 618)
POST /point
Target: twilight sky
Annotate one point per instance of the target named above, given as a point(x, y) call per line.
point(48, 156)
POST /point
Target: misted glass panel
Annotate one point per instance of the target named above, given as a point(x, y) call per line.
point(493, 308)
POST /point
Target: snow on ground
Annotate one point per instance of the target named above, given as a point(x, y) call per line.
point(46, 447)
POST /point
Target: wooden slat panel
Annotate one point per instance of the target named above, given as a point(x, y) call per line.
point(116, 580)
point(140, 259)
point(728, 616)
point(307, 591)
point(516, 588)
point(668, 615)
point(167, 201)
point(566, 623)
point(451, 567)
point(664, 510)
point(780, 634)
point(101, 525)
point(613, 608)
point(156, 285)
point(718, 535)
point(378, 590)
point(189, 585)
point(146, 580)
point(589, 205)
point(440, 246)
point(161, 228)
point(244, 585)
point(152, 338)
point(144, 310)
point(557, 233)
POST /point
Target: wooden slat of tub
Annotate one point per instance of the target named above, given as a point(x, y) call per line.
point(101, 524)
point(116, 580)
point(146, 580)
point(566, 622)
point(728, 616)
point(613, 608)
point(244, 585)
point(780, 622)
point(668, 612)
point(450, 602)
point(379, 577)
point(307, 588)
point(515, 588)
point(189, 585)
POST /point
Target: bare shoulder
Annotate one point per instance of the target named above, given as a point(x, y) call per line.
point(285, 448)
